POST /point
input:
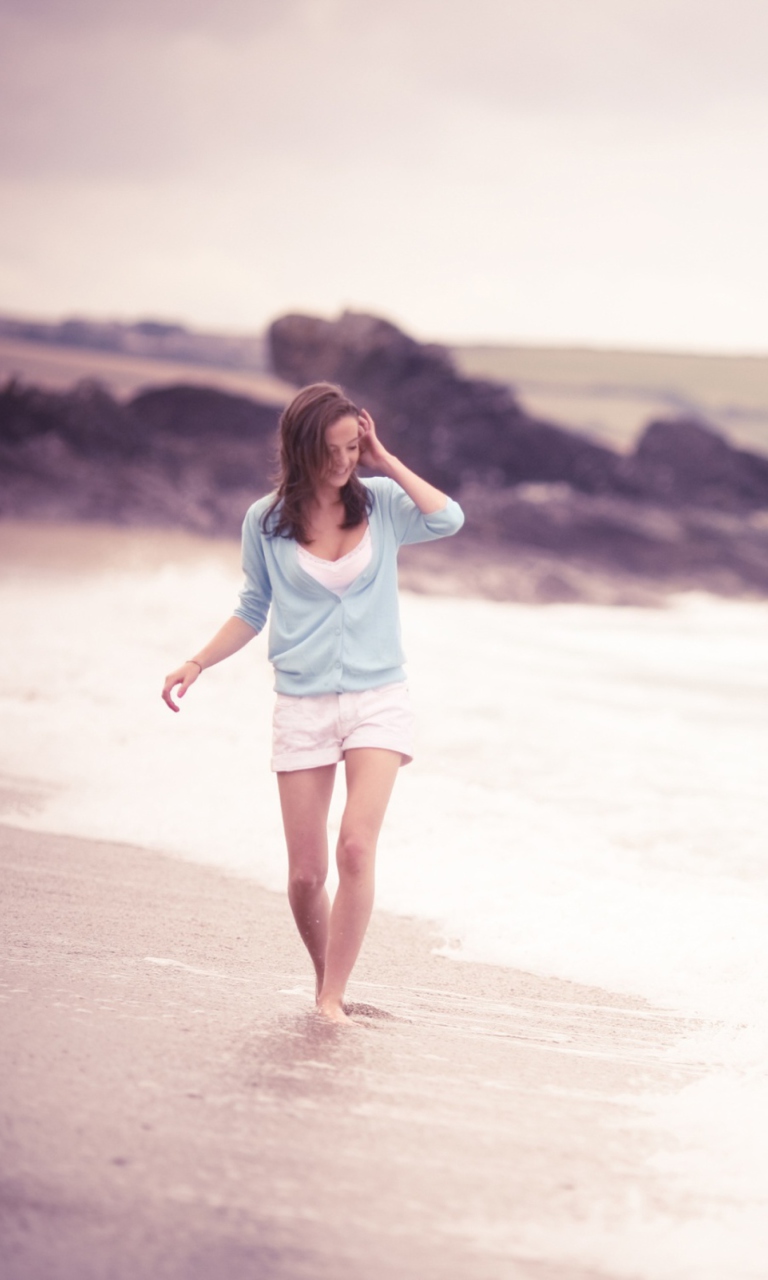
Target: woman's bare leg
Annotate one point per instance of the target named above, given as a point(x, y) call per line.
point(305, 798)
point(371, 774)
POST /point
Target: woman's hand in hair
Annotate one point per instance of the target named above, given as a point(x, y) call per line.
point(372, 451)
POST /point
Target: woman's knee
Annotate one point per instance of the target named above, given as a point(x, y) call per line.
point(354, 854)
point(305, 881)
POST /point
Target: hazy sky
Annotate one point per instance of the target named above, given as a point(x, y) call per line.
point(557, 170)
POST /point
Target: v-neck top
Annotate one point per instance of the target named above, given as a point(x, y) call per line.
point(338, 575)
point(320, 642)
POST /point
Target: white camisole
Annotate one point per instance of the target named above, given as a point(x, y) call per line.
point(338, 575)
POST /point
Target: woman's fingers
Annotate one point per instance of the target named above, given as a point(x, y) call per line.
point(184, 678)
point(369, 441)
point(167, 694)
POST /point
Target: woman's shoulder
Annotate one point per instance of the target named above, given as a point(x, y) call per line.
point(381, 488)
point(259, 508)
point(256, 518)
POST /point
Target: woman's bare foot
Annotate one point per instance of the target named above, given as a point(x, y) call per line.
point(332, 1009)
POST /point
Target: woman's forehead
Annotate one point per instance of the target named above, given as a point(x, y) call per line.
point(344, 431)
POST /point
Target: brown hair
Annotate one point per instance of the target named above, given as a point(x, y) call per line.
point(304, 459)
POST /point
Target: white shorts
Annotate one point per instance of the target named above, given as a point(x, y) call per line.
point(317, 730)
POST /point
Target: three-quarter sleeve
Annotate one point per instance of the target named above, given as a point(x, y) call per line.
point(256, 594)
point(411, 525)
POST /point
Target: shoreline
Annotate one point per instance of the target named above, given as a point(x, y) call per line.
point(465, 568)
point(173, 1105)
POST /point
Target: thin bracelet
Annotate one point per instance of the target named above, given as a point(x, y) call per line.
point(195, 663)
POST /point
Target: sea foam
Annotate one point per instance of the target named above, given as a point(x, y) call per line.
point(589, 796)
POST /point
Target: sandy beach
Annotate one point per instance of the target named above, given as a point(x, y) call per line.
point(172, 1106)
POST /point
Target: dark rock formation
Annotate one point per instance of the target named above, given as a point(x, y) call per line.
point(181, 455)
point(204, 415)
point(686, 547)
point(224, 444)
point(684, 463)
point(86, 420)
point(450, 427)
point(460, 430)
point(685, 509)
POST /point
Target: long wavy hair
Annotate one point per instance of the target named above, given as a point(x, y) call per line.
point(304, 460)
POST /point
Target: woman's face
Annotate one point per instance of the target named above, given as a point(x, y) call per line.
point(342, 444)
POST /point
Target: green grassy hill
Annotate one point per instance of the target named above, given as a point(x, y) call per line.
point(57, 368)
point(613, 394)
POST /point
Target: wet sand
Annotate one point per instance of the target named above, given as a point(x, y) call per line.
point(173, 1107)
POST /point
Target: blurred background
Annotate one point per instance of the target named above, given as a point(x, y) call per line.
point(542, 225)
point(562, 172)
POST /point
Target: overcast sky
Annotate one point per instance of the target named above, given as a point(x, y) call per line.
point(584, 171)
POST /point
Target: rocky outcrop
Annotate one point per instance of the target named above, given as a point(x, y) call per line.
point(686, 509)
point(684, 548)
point(460, 430)
point(453, 428)
point(186, 456)
point(685, 463)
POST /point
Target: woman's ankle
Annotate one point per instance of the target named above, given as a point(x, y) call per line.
point(332, 1008)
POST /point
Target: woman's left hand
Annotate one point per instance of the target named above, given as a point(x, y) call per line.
point(372, 451)
point(373, 454)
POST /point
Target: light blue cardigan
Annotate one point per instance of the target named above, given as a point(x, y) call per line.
point(318, 642)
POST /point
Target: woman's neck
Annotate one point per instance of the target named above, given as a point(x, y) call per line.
point(326, 500)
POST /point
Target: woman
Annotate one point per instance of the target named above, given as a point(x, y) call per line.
point(322, 551)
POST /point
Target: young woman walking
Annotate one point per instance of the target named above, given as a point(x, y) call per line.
point(322, 552)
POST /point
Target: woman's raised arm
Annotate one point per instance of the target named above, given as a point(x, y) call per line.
point(372, 452)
